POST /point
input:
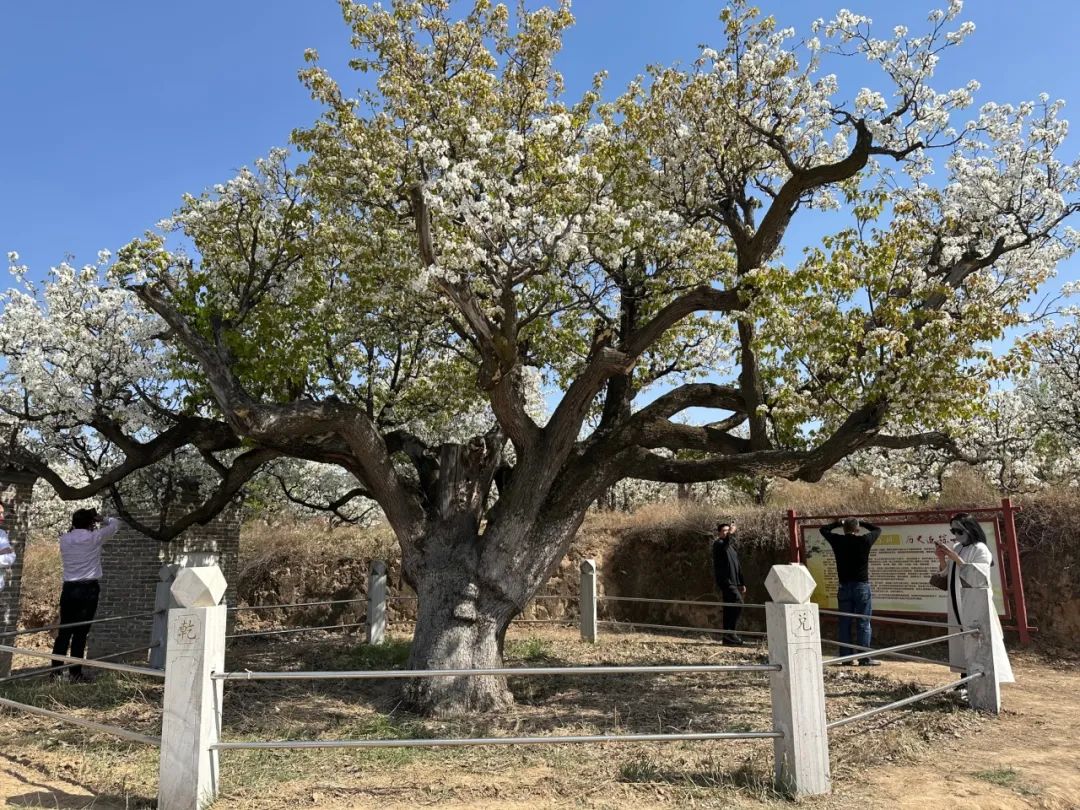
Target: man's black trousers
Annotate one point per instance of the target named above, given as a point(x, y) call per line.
point(78, 603)
point(733, 611)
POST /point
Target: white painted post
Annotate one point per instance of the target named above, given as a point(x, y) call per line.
point(588, 600)
point(977, 609)
point(376, 603)
point(163, 601)
point(191, 722)
point(798, 689)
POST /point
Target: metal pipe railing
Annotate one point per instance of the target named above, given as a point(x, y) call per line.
point(255, 633)
point(901, 703)
point(904, 656)
point(678, 602)
point(295, 605)
point(78, 721)
point(898, 647)
point(31, 630)
point(888, 619)
point(457, 673)
point(50, 670)
point(86, 662)
point(618, 622)
point(437, 743)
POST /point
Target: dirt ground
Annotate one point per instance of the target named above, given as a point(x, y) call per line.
point(937, 756)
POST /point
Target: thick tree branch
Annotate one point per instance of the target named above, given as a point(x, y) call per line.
point(306, 419)
point(239, 473)
point(202, 433)
point(858, 430)
point(691, 395)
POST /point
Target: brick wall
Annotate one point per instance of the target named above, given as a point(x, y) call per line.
point(130, 565)
point(15, 489)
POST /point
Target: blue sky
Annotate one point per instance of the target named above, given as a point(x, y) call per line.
point(112, 110)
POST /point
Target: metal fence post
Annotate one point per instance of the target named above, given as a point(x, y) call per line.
point(588, 600)
point(163, 601)
point(977, 609)
point(798, 689)
point(376, 605)
point(191, 719)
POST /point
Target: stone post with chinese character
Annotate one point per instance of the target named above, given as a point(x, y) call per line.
point(588, 600)
point(376, 609)
point(191, 720)
point(798, 688)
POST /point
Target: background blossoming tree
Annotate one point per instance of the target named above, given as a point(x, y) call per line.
point(463, 228)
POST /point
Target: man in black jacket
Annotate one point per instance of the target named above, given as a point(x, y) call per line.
point(852, 552)
point(729, 580)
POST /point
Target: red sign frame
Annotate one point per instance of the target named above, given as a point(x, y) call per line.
point(1012, 580)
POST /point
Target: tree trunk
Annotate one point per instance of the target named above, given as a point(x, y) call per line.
point(469, 588)
point(471, 584)
point(460, 624)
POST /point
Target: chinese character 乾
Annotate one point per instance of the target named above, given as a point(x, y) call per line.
point(186, 631)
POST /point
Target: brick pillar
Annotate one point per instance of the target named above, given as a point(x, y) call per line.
point(130, 564)
point(16, 487)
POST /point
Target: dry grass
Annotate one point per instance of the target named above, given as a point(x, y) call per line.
point(41, 583)
point(259, 540)
point(692, 774)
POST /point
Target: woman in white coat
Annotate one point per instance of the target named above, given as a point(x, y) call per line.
point(970, 548)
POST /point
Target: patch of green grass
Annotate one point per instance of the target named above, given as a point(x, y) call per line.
point(1005, 777)
point(108, 691)
point(385, 727)
point(639, 769)
point(529, 649)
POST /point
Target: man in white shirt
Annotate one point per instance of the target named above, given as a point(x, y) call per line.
point(80, 553)
point(7, 553)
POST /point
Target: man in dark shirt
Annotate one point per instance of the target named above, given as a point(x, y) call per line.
point(729, 581)
point(852, 552)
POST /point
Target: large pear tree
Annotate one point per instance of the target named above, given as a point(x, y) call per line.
point(458, 228)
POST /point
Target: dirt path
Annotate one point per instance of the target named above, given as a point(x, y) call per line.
point(1028, 758)
point(23, 786)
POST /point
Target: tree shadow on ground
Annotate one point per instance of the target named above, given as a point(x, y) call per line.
point(40, 794)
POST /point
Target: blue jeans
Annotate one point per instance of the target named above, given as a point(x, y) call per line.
point(854, 597)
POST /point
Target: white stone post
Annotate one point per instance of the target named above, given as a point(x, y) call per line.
point(163, 602)
point(376, 603)
point(588, 600)
point(977, 607)
point(191, 722)
point(798, 689)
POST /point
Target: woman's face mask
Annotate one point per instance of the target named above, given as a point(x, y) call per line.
point(960, 534)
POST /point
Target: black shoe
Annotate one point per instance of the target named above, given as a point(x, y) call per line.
point(869, 662)
point(734, 641)
point(850, 663)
